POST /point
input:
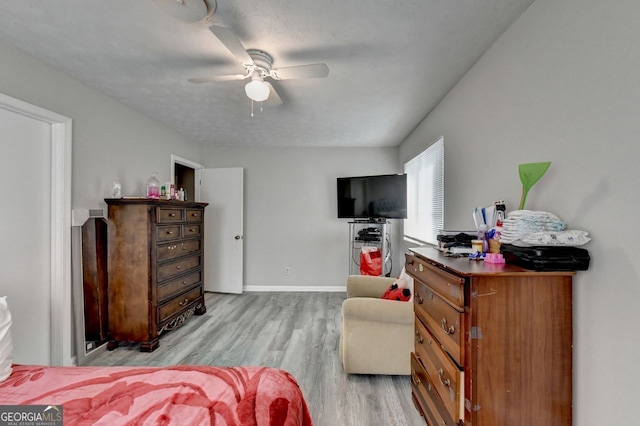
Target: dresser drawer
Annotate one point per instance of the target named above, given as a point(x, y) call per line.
point(449, 286)
point(169, 214)
point(177, 267)
point(444, 322)
point(178, 285)
point(447, 378)
point(194, 215)
point(425, 394)
point(166, 233)
point(191, 230)
point(178, 249)
point(179, 303)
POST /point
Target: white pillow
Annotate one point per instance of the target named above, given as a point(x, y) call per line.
point(6, 344)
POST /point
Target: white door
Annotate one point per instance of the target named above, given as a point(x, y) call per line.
point(25, 251)
point(223, 239)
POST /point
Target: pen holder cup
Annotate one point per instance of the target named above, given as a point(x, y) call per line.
point(494, 246)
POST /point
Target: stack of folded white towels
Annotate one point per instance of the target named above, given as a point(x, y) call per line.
point(539, 228)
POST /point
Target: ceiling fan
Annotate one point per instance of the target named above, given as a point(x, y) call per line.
point(258, 67)
point(188, 10)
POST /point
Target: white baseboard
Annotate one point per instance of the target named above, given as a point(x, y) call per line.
point(297, 289)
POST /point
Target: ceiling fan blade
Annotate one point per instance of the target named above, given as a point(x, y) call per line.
point(231, 42)
point(301, 71)
point(274, 98)
point(219, 78)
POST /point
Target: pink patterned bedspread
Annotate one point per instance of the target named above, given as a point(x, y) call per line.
point(177, 395)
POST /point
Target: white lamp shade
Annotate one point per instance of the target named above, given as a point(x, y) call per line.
point(257, 90)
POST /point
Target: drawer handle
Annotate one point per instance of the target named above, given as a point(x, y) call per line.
point(172, 215)
point(447, 382)
point(192, 230)
point(420, 267)
point(419, 299)
point(194, 214)
point(169, 232)
point(178, 267)
point(184, 302)
point(419, 338)
point(183, 247)
point(414, 378)
point(446, 330)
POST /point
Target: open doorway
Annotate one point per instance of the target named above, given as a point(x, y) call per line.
point(184, 174)
point(185, 179)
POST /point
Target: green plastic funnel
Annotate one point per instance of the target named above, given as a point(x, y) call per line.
point(530, 173)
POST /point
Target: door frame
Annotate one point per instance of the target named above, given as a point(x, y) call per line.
point(60, 273)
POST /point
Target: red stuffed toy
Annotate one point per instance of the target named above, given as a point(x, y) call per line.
point(396, 293)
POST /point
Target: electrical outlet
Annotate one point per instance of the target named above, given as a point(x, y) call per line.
point(287, 270)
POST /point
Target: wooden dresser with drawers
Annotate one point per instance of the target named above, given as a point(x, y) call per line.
point(493, 343)
point(155, 268)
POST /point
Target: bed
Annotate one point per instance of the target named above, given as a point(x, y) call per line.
point(180, 395)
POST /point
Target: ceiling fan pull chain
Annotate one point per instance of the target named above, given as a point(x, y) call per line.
point(251, 108)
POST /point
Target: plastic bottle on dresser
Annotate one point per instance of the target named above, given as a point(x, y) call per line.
point(482, 236)
point(501, 209)
point(117, 189)
point(153, 187)
point(171, 191)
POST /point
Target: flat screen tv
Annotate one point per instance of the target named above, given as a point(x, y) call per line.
point(372, 197)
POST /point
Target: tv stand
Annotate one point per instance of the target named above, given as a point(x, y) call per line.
point(369, 233)
point(372, 220)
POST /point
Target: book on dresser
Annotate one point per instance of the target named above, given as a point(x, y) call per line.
point(155, 268)
point(493, 343)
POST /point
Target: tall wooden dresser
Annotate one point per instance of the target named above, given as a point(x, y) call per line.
point(155, 268)
point(493, 343)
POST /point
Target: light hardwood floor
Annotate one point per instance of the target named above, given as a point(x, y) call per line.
point(296, 332)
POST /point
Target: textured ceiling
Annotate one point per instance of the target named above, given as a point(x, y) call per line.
point(390, 61)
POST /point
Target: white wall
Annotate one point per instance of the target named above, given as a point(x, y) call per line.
point(291, 212)
point(290, 197)
point(109, 139)
point(562, 84)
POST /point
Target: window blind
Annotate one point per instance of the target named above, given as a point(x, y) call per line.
point(425, 194)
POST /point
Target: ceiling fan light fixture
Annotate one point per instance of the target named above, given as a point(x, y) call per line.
point(257, 90)
point(188, 10)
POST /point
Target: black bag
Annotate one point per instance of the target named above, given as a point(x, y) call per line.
point(459, 240)
point(544, 258)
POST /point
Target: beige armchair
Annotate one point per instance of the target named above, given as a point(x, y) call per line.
point(377, 334)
